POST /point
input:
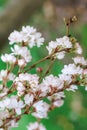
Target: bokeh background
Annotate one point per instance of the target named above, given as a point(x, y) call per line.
point(47, 16)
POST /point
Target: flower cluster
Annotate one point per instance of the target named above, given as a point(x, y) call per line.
point(22, 92)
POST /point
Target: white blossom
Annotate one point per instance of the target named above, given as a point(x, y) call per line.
point(53, 81)
point(5, 76)
point(60, 55)
point(85, 88)
point(12, 124)
point(4, 114)
point(20, 88)
point(50, 82)
point(21, 63)
point(23, 52)
point(65, 78)
point(72, 88)
point(41, 109)
point(78, 48)
point(31, 36)
point(28, 98)
point(22, 93)
point(57, 99)
point(15, 37)
point(59, 43)
point(35, 126)
point(32, 80)
point(56, 96)
point(80, 60)
point(64, 42)
point(58, 103)
point(72, 69)
point(1, 123)
point(52, 46)
point(8, 58)
point(14, 104)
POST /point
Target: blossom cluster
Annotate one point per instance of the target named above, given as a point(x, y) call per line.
point(22, 92)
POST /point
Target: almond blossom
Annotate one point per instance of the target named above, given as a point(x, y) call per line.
point(72, 69)
point(23, 52)
point(23, 87)
point(41, 109)
point(60, 43)
point(8, 58)
point(36, 126)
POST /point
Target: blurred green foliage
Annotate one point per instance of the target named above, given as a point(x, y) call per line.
point(3, 2)
point(73, 114)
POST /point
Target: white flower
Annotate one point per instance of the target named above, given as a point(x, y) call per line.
point(8, 58)
point(11, 76)
point(12, 123)
point(28, 35)
point(52, 46)
point(49, 84)
point(4, 114)
point(53, 81)
point(15, 37)
point(1, 123)
point(5, 76)
point(4, 103)
point(85, 88)
point(17, 105)
point(31, 36)
point(57, 99)
point(78, 48)
point(64, 42)
point(56, 96)
point(59, 43)
point(80, 60)
point(72, 69)
point(41, 109)
point(28, 98)
point(21, 63)
point(72, 88)
point(58, 103)
point(20, 88)
point(23, 52)
point(36, 40)
point(36, 126)
point(60, 55)
point(27, 32)
point(32, 80)
point(66, 78)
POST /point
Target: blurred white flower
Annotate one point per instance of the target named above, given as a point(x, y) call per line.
point(23, 52)
point(5, 76)
point(72, 88)
point(28, 98)
point(35, 126)
point(31, 36)
point(41, 109)
point(66, 78)
point(72, 69)
point(78, 48)
point(8, 58)
point(80, 60)
point(64, 42)
point(31, 79)
point(59, 43)
point(15, 37)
